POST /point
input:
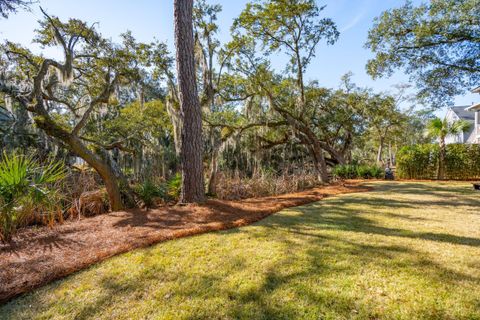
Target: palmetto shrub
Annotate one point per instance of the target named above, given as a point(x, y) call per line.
point(173, 187)
point(148, 191)
point(377, 172)
point(27, 190)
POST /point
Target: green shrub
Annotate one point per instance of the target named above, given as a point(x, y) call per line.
point(168, 191)
point(26, 188)
point(377, 172)
point(174, 186)
point(354, 171)
point(462, 162)
point(346, 171)
point(148, 191)
point(363, 172)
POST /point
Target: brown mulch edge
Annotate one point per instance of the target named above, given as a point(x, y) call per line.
point(40, 255)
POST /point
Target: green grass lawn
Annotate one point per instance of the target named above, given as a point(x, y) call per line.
point(401, 251)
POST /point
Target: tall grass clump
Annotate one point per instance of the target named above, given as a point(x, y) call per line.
point(234, 187)
point(27, 189)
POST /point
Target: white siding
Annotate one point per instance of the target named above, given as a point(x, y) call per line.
point(452, 117)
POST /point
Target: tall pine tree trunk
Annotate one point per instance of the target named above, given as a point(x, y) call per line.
point(191, 155)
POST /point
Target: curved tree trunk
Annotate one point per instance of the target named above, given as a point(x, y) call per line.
point(102, 167)
point(104, 170)
point(191, 157)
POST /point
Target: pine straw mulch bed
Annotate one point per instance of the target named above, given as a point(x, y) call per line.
point(40, 255)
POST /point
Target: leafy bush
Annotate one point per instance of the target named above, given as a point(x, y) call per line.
point(26, 189)
point(148, 191)
point(174, 186)
point(417, 162)
point(167, 191)
point(462, 161)
point(347, 171)
point(363, 172)
point(377, 172)
point(354, 171)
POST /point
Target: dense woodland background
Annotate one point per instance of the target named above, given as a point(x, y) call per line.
point(106, 122)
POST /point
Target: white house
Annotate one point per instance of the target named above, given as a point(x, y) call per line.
point(475, 138)
point(467, 113)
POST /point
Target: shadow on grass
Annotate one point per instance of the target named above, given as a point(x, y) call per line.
point(308, 257)
point(259, 302)
point(337, 216)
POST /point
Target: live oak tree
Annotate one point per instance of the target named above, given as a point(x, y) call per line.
point(207, 55)
point(140, 136)
point(437, 43)
point(212, 81)
point(383, 117)
point(296, 28)
point(271, 104)
point(292, 26)
point(64, 97)
point(12, 6)
point(191, 155)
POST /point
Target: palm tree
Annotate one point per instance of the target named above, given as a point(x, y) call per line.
point(440, 129)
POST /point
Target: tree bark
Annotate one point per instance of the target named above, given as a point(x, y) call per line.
point(380, 151)
point(176, 119)
point(441, 160)
point(191, 155)
point(318, 159)
point(101, 166)
point(321, 164)
point(390, 154)
point(212, 180)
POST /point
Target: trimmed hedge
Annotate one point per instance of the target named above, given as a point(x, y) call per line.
point(462, 162)
point(353, 171)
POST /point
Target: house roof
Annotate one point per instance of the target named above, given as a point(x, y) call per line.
point(462, 113)
point(476, 90)
point(474, 107)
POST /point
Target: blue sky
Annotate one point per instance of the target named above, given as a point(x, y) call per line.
point(149, 19)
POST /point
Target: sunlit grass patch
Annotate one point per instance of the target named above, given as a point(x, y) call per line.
point(402, 251)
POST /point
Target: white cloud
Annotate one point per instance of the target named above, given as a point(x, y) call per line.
point(354, 21)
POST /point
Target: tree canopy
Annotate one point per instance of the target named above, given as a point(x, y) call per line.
point(437, 43)
point(123, 109)
point(12, 6)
